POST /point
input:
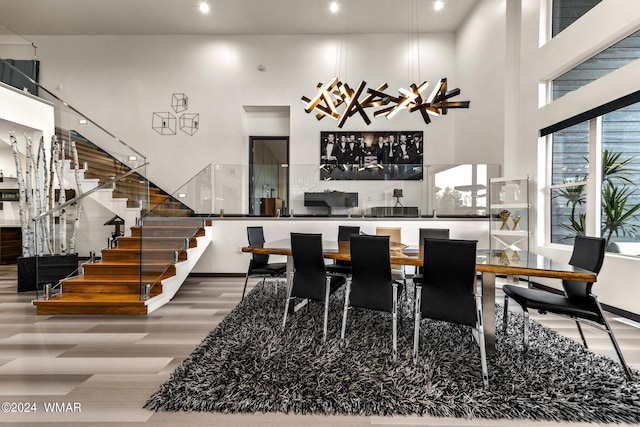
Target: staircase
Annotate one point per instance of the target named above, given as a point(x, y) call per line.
point(167, 249)
point(102, 167)
point(149, 265)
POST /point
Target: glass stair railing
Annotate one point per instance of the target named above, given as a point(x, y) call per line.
point(164, 231)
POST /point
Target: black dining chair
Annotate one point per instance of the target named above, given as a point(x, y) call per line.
point(578, 302)
point(448, 291)
point(259, 265)
point(371, 285)
point(339, 266)
point(431, 233)
point(310, 279)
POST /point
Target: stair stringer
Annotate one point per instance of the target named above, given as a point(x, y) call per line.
point(171, 285)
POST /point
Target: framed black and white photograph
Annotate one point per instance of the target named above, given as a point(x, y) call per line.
point(371, 155)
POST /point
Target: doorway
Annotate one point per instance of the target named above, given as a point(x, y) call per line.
point(268, 175)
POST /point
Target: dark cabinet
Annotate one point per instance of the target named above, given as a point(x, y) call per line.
point(10, 244)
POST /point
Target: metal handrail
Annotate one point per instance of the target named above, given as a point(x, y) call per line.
point(85, 194)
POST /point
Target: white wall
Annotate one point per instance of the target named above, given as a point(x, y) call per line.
point(481, 70)
point(28, 116)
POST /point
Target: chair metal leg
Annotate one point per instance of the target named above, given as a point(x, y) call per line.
point(416, 326)
point(244, 290)
point(505, 314)
point(525, 329)
point(395, 321)
point(344, 313)
point(483, 350)
point(286, 304)
point(327, 287)
point(627, 371)
point(584, 341)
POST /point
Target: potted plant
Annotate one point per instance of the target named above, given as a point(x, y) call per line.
point(45, 259)
point(618, 212)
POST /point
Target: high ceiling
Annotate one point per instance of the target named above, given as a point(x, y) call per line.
point(155, 17)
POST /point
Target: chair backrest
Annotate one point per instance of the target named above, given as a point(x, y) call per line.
point(345, 232)
point(371, 273)
point(255, 235)
point(309, 269)
point(449, 280)
point(433, 233)
point(588, 253)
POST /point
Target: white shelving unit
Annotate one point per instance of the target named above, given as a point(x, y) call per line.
point(509, 217)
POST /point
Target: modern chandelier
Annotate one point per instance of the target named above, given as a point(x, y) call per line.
point(335, 94)
point(341, 102)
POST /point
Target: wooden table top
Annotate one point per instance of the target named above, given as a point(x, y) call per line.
point(524, 264)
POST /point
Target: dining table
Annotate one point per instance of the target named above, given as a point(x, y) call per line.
point(489, 264)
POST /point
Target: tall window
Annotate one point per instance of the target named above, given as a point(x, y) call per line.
point(610, 59)
point(570, 158)
point(620, 177)
point(619, 198)
point(566, 12)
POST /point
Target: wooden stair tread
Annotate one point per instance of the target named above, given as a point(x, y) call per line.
point(106, 264)
point(96, 299)
point(86, 303)
point(112, 278)
point(134, 251)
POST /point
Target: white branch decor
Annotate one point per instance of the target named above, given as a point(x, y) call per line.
point(62, 197)
point(26, 247)
point(30, 174)
point(77, 173)
point(50, 194)
point(37, 176)
point(42, 197)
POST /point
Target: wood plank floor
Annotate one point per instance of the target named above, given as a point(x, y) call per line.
point(108, 366)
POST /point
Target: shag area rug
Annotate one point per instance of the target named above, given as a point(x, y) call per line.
point(249, 364)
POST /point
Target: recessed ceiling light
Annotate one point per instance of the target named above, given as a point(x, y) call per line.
point(204, 7)
point(334, 7)
point(438, 5)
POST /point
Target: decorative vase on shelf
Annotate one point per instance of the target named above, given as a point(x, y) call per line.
point(504, 258)
point(504, 216)
point(516, 222)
